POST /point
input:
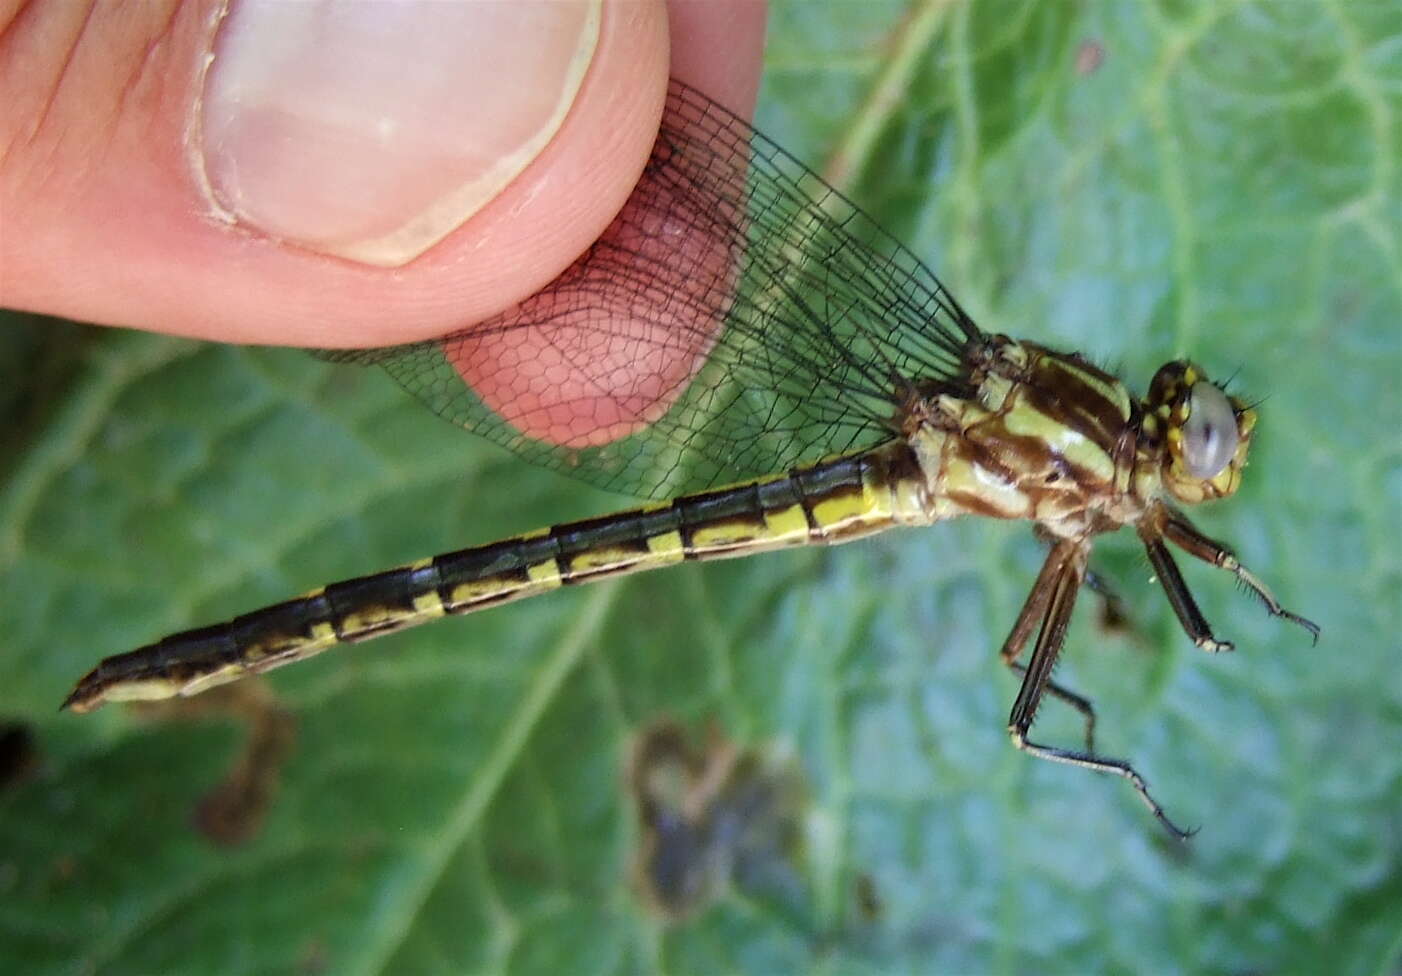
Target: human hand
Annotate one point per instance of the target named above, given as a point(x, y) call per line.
point(336, 177)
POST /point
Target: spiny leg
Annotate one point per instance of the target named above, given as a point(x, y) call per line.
point(1079, 702)
point(1032, 610)
point(1185, 535)
point(1112, 614)
point(1179, 597)
point(1055, 591)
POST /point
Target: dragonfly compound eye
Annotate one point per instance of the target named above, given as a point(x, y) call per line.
point(1210, 434)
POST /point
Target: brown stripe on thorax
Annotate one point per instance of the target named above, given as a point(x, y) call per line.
point(1075, 393)
point(1010, 456)
point(975, 504)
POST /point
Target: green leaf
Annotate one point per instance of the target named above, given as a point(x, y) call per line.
point(1133, 180)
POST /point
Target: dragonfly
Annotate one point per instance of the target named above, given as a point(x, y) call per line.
point(751, 353)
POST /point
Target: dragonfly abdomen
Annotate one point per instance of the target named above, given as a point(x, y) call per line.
point(832, 502)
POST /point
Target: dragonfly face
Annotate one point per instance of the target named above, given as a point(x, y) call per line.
point(1195, 434)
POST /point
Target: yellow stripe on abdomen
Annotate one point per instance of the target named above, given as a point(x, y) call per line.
point(787, 525)
point(854, 510)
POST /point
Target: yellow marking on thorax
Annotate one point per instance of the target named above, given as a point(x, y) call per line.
point(1001, 496)
point(910, 501)
point(951, 477)
point(1147, 482)
point(1026, 421)
point(993, 392)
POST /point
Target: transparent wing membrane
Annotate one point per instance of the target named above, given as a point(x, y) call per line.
point(738, 318)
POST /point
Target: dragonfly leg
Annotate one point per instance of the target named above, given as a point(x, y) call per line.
point(1178, 530)
point(1179, 597)
point(1080, 703)
point(1103, 765)
point(1113, 615)
point(1055, 593)
point(1032, 611)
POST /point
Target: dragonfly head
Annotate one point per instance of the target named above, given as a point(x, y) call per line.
point(1203, 433)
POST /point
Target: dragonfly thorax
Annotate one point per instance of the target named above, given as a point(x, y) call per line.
point(1043, 435)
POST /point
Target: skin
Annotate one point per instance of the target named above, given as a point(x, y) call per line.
point(103, 222)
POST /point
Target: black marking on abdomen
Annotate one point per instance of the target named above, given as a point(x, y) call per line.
point(738, 508)
point(283, 625)
point(369, 606)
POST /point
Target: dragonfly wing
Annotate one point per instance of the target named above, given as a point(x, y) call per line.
point(739, 317)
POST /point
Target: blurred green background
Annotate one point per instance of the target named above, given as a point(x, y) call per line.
point(1133, 180)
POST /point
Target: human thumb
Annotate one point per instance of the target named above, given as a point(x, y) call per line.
point(337, 172)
